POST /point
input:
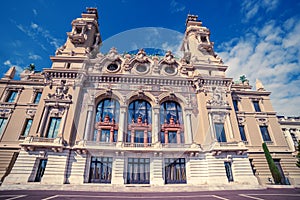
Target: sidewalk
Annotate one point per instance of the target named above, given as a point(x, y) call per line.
point(130, 188)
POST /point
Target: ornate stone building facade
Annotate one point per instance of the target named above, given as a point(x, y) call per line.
point(137, 119)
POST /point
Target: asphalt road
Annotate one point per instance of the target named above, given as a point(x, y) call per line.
point(268, 194)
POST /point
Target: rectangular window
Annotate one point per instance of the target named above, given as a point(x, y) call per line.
point(235, 105)
point(228, 171)
point(40, 170)
point(11, 96)
point(220, 132)
point(149, 138)
point(27, 127)
point(139, 137)
point(265, 133)
point(37, 98)
point(100, 170)
point(172, 137)
point(256, 106)
point(242, 133)
point(53, 127)
point(162, 137)
point(138, 171)
point(128, 137)
point(3, 122)
point(105, 135)
point(175, 170)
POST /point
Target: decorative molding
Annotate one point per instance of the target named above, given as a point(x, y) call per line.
point(219, 117)
point(61, 92)
point(218, 97)
point(262, 120)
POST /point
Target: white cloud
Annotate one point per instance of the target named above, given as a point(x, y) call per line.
point(7, 63)
point(271, 54)
point(38, 34)
point(251, 7)
point(34, 56)
point(176, 6)
point(34, 26)
point(34, 12)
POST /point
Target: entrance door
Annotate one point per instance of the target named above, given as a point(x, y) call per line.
point(175, 170)
point(101, 170)
point(284, 180)
point(40, 170)
point(228, 171)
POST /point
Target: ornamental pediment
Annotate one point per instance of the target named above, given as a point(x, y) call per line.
point(140, 64)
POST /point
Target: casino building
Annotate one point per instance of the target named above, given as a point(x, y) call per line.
point(124, 119)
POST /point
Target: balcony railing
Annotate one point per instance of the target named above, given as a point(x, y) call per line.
point(95, 143)
point(175, 145)
point(41, 139)
point(138, 145)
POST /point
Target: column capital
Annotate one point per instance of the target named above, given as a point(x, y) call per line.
point(188, 110)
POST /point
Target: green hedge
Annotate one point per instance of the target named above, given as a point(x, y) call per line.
point(274, 170)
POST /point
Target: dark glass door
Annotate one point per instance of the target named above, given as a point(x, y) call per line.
point(175, 170)
point(138, 171)
point(228, 171)
point(40, 170)
point(100, 170)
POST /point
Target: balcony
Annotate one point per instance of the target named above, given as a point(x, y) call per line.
point(127, 146)
point(31, 143)
point(218, 147)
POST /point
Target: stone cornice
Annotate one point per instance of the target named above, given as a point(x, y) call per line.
point(68, 58)
point(251, 92)
point(22, 82)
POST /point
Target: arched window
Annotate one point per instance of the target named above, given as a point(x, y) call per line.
point(110, 108)
point(171, 123)
point(139, 108)
point(168, 110)
point(107, 118)
point(139, 123)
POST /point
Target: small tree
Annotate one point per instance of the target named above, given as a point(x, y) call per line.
point(274, 170)
point(298, 155)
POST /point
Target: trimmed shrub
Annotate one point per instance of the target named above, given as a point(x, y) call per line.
point(274, 170)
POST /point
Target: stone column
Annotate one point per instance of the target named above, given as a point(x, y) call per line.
point(89, 123)
point(211, 125)
point(188, 113)
point(43, 121)
point(156, 125)
point(63, 123)
point(122, 122)
point(145, 137)
point(229, 126)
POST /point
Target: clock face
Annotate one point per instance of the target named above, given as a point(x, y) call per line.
point(112, 67)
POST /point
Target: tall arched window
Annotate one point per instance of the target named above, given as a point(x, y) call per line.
point(171, 123)
point(107, 118)
point(168, 110)
point(108, 107)
point(139, 122)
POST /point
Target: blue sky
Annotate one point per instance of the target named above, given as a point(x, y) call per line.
point(258, 38)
